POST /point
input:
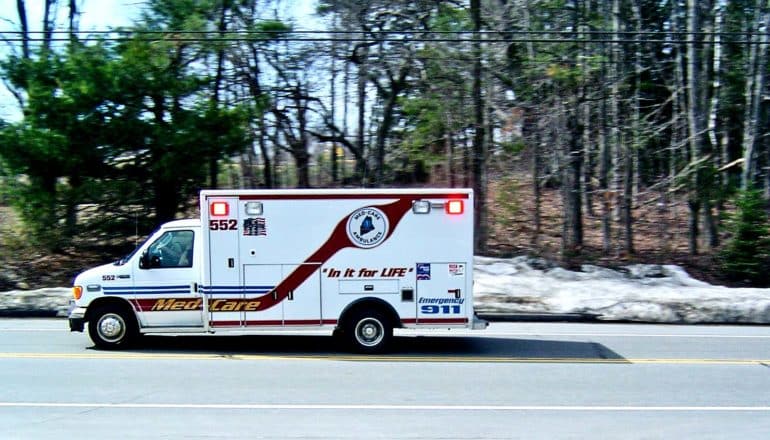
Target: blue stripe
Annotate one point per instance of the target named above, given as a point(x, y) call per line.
point(182, 289)
point(145, 288)
point(184, 286)
point(236, 290)
point(239, 292)
point(163, 292)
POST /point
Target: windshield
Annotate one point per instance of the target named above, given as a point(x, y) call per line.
point(125, 259)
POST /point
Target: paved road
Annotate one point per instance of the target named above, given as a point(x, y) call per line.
point(510, 381)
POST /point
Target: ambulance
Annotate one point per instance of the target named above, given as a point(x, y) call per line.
point(355, 263)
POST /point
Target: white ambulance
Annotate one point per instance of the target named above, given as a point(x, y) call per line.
point(355, 262)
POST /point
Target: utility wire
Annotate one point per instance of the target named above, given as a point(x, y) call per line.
point(387, 40)
point(300, 36)
point(394, 32)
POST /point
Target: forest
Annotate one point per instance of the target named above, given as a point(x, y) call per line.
point(586, 128)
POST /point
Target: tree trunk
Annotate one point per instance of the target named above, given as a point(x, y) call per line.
point(479, 150)
point(302, 162)
point(604, 141)
point(715, 139)
point(604, 170)
point(213, 162)
point(361, 135)
point(573, 215)
point(449, 143)
point(694, 121)
point(755, 81)
point(391, 96)
point(21, 9)
point(49, 21)
point(300, 148)
point(531, 132)
point(267, 169)
point(588, 129)
point(716, 85)
point(627, 203)
point(248, 159)
point(614, 140)
point(333, 89)
point(631, 166)
point(73, 19)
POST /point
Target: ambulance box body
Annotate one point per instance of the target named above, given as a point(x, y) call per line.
point(356, 262)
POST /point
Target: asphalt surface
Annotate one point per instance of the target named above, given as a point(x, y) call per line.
point(513, 380)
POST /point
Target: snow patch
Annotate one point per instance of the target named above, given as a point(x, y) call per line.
point(640, 292)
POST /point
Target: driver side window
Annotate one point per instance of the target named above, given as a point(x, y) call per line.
point(172, 249)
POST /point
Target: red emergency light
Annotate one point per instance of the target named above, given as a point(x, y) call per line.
point(454, 207)
point(219, 209)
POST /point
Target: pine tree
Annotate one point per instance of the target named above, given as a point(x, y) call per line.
point(747, 254)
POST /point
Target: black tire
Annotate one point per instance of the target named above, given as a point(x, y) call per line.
point(369, 331)
point(112, 328)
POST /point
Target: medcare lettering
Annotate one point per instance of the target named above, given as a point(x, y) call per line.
point(234, 305)
point(172, 304)
point(217, 305)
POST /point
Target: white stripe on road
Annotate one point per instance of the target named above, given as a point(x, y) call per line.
point(623, 335)
point(382, 358)
point(385, 407)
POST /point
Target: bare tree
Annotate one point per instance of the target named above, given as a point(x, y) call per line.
point(755, 77)
point(479, 150)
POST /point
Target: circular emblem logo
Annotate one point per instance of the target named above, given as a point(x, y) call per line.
point(367, 227)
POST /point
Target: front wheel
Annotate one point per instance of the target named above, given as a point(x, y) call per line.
point(369, 332)
point(111, 329)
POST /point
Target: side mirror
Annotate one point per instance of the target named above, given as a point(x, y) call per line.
point(144, 261)
point(155, 261)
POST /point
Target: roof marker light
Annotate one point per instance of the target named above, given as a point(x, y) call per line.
point(253, 208)
point(220, 209)
point(421, 207)
point(454, 207)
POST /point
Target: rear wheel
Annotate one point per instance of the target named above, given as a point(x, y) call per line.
point(112, 328)
point(369, 331)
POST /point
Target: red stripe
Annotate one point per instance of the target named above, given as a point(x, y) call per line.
point(266, 322)
point(348, 196)
point(337, 240)
point(275, 322)
point(303, 322)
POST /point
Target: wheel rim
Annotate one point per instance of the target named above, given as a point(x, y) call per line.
point(111, 327)
point(369, 332)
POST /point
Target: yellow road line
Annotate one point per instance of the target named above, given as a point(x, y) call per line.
point(379, 358)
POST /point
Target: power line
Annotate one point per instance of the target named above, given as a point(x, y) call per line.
point(386, 40)
point(394, 32)
point(392, 36)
